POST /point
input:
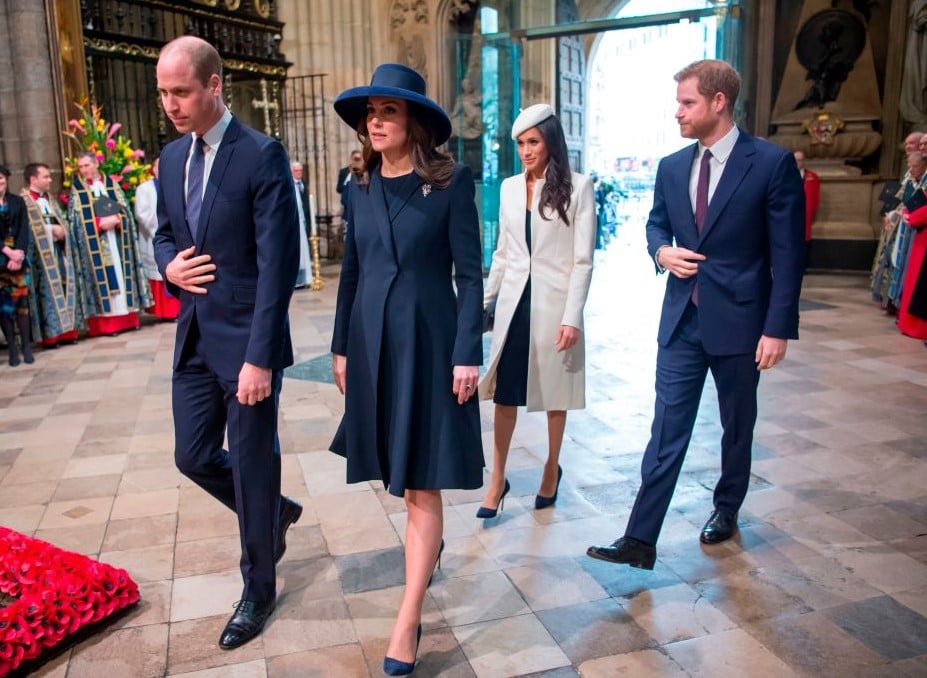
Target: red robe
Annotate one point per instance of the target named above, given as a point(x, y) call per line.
point(908, 323)
point(812, 200)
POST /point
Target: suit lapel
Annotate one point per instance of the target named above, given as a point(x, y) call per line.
point(378, 207)
point(735, 170)
point(413, 187)
point(679, 176)
point(175, 180)
point(219, 165)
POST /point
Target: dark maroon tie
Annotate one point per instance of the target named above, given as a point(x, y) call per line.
point(701, 204)
point(701, 191)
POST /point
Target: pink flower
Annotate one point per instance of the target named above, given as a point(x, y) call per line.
point(110, 144)
point(75, 125)
point(116, 126)
point(100, 157)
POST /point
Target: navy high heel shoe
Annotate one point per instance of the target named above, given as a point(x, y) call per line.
point(486, 512)
point(437, 563)
point(540, 501)
point(394, 667)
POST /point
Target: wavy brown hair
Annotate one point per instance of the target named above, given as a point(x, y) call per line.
point(432, 165)
point(558, 181)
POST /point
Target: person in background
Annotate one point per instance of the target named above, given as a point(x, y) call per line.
point(812, 184)
point(539, 280)
point(302, 207)
point(728, 224)
point(407, 345)
point(53, 294)
point(166, 306)
point(892, 252)
point(14, 272)
point(113, 283)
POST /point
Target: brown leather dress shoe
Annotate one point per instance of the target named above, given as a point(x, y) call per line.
point(246, 623)
point(290, 511)
point(720, 527)
point(626, 551)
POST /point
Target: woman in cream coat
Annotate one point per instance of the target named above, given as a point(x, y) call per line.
point(539, 279)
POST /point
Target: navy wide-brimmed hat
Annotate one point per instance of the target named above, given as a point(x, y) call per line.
point(400, 82)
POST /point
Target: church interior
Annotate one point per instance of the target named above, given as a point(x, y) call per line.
point(828, 573)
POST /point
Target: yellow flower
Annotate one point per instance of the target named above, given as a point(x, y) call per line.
point(127, 152)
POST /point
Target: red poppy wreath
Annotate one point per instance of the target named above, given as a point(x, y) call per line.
point(49, 597)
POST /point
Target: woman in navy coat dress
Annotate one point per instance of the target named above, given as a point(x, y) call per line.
point(407, 346)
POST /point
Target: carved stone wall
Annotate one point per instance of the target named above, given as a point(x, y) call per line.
point(28, 120)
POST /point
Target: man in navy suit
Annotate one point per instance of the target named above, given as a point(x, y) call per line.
point(227, 245)
point(728, 223)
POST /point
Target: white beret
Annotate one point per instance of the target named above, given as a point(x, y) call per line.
point(530, 117)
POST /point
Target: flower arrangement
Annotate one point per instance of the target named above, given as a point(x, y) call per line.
point(47, 595)
point(117, 158)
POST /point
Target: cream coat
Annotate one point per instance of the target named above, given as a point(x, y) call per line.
point(560, 266)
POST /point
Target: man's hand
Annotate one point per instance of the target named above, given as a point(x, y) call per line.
point(58, 232)
point(681, 262)
point(110, 223)
point(340, 371)
point(189, 272)
point(566, 338)
point(769, 352)
point(253, 384)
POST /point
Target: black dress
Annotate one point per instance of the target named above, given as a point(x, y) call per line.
point(512, 371)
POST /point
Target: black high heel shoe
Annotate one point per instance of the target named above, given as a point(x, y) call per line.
point(542, 502)
point(437, 563)
point(486, 512)
point(394, 667)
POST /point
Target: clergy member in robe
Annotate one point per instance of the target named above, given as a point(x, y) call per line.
point(114, 283)
point(166, 306)
point(53, 296)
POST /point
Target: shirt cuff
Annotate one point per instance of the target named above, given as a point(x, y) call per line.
point(656, 257)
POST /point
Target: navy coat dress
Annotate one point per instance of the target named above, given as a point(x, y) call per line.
point(403, 327)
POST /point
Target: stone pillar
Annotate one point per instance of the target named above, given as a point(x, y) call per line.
point(27, 104)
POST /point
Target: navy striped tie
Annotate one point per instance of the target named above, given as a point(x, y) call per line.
point(195, 185)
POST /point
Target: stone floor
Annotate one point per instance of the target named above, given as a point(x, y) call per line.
point(828, 576)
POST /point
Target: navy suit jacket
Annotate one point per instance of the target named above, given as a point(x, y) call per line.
point(753, 241)
point(249, 225)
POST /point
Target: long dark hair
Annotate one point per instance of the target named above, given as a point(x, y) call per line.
point(558, 184)
point(432, 165)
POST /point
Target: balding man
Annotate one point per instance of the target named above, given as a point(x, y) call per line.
point(228, 247)
point(302, 207)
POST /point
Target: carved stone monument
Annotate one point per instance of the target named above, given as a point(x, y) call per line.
point(828, 106)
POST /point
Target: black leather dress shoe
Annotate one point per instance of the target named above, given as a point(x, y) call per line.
point(626, 551)
point(246, 623)
point(720, 527)
point(290, 511)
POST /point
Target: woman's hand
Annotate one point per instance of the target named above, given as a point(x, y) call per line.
point(340, 370)
point(566, 338)
point(13, 265)
point(465, 381)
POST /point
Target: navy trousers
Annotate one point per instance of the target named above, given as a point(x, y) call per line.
point(246, 477)
point(682, 366)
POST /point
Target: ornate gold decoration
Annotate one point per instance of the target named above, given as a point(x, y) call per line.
point(317, 282)
point(208, 3)
point(251, 67)
point(262, 7)
point(268, 106)
point(127, 49)
point(822, 127)
point(232, 5)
